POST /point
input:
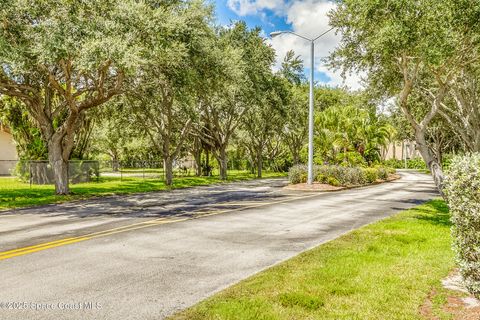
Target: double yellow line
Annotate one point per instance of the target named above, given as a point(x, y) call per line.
point(146, 224)
point(57, 243)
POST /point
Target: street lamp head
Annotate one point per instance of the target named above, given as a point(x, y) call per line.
point(276, 33)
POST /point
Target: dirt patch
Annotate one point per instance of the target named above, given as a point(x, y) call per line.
point(316, 186)
point(393, 177)
point(426, 310)
point(459, 305)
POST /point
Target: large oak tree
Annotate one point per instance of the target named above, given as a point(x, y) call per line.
point(399, 43)
point(62, 58)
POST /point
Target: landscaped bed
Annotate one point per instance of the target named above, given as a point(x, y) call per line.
point(336, 177)
point(386, 270)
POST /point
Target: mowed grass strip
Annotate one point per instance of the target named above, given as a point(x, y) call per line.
point(17, 194)
point(382, 271)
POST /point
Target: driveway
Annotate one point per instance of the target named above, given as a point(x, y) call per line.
point(147, 256)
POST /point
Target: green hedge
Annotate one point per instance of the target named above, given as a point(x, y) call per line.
point(462, 189)
point(339, 175)
point(415, 163)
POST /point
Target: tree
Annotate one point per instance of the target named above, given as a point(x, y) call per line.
point(350, 134)
point(295, 129)
point(242, 59)
point(177, 38)
point(461, 110)
point(265, 117)
point(62, 58)
point(399, 43)
point(292, 69)
point(29, 142)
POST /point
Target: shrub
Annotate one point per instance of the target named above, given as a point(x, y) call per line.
point(462, 190)
point(390, 170)
point(383, 172)
point(343, 176)
point(415, 163)
point(333, 181)
point(351, 158)
point(321, 178)
point(328, 171)
point(371, 174)
point(298, 174)
point(351, 176)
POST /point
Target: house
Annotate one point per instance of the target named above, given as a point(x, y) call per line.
point(8, 151)
point(399, 150)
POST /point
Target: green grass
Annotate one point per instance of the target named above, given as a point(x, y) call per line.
point(16, 194)
point(381, 271)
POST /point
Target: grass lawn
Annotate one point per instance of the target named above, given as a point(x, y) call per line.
point(382, 271)
point(15, 194)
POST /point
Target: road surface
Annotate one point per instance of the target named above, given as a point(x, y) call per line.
point(147, 256)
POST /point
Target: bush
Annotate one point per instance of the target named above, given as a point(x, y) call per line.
point(321, 178)
point(353, 176)
point(371, 174)
point(351, 159)
point(333, 182)
point(415, 163)
point(462, 190)
point(383, 172)
point(298, 174)
point(338, 175)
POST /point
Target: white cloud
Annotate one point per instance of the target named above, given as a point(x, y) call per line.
point(308, 18)
point(253, 7)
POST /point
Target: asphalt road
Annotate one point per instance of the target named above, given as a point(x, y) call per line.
point(147, 256)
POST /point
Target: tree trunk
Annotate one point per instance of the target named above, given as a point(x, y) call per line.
point(259, 163)
point(208, 170)
point(222, 163)
point(295, 155)
point(476, 143)
point(198, 163)
point(115, 164)
point(432, 163)
point(59, 165)
point(296, 158)
point(168, 167)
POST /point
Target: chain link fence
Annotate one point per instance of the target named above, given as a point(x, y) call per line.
point(40, 172)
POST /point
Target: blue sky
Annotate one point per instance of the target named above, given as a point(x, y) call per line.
point(267, 20)
point(307, 17)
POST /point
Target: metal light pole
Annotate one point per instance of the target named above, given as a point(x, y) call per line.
point(311, 108)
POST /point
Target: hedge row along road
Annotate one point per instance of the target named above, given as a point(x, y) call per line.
point(147, 256)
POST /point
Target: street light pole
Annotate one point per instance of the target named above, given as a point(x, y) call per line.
point(311, 104)
point(310, 114)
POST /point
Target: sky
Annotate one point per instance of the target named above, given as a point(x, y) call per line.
point(306, 17)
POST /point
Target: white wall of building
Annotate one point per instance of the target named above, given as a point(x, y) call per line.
point(398, 150)
point(8, 152)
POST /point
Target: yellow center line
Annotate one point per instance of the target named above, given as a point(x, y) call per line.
point(135, 226)
point(4, 256)
point(33, 247)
